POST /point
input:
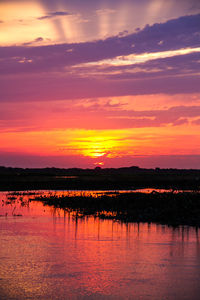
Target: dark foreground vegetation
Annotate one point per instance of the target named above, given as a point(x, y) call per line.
point(115, 179)
point(182, 208)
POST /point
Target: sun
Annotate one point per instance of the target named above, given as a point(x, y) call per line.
point(92, 144)
point(97, 146)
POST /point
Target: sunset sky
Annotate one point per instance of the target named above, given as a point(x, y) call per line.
point(109, 83)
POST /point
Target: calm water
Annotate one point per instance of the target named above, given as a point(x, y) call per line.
point(50, 254)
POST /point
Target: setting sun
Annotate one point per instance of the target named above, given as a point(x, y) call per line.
point(94, 144)
point(89, 81)
point(99, 144)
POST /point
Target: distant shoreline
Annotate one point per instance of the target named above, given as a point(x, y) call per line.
point(12, 179)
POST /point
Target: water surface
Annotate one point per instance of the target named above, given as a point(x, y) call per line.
point(49, 253)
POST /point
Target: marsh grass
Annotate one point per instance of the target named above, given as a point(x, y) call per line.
point(171, 208)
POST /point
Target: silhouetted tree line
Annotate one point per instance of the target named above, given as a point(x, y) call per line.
point(98, 178)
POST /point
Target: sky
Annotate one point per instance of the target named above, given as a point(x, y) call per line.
point(107, 83)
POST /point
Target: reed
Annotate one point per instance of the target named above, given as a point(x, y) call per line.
point(182, 208)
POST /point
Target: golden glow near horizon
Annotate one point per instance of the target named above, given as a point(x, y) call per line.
point(95, 145)
point(54, 105)
point(100, 144)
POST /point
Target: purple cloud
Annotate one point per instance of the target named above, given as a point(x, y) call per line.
point(196, 122)
point(37, 40)
point(51, 76)
point(172, 66)
point(78, 116)
point(175, 34)
point(50, 87)
point(54, 14)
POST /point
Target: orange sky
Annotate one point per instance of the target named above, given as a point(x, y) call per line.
point(92, 85)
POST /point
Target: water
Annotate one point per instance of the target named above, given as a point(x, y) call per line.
point(46, 253)
point(93, 193)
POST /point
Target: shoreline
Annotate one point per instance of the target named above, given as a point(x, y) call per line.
point(98, 179)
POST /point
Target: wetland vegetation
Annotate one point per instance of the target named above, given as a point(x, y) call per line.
point(179, 205)
point(172, 208)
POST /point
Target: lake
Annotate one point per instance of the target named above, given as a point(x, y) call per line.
point(48, 253)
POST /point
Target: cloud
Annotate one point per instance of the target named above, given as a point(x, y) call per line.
point(51, 72)
point(87, 114)
point(160, 67)
point(105, 11)
point(196, 122)
point(37, 40)
point(180, 33)
point(25, 160)
point(54, 14)
point(174, 116)
point(49, 87)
